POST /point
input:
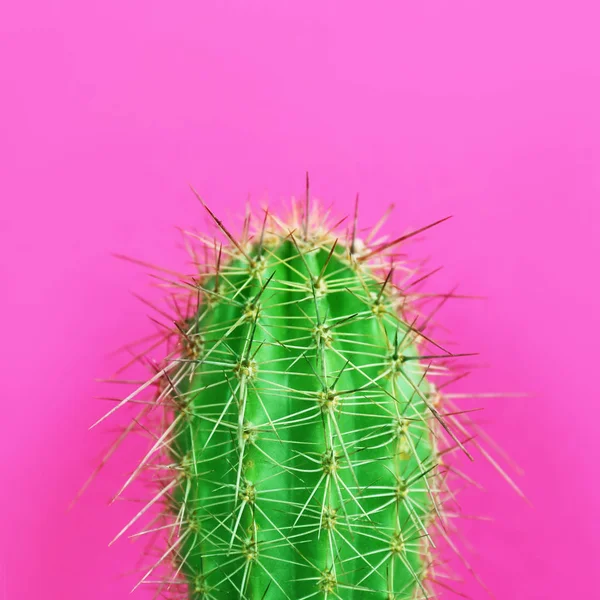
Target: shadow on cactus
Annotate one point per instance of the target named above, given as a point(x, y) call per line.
point(298, 424)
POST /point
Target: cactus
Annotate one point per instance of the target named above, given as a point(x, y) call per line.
point(299, 433)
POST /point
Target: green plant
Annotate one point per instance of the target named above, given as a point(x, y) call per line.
point(299, 442)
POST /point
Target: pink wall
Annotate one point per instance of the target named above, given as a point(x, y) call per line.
point(484, 110)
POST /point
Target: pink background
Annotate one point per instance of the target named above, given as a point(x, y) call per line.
point(484, 110)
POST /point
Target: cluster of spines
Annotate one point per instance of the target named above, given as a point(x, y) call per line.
point(236, 518)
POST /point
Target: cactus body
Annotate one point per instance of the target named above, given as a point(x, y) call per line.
point(299, 448)
point(303, 431)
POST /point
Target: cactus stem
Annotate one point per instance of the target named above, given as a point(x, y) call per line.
point(301, 435)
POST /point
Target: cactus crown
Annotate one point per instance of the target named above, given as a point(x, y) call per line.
point(298, 428)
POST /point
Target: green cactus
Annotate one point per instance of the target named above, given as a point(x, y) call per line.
point(301, 430)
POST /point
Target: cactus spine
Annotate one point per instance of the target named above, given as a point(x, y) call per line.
point(300, 436)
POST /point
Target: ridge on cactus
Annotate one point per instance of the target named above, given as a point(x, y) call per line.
point(298, 426)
